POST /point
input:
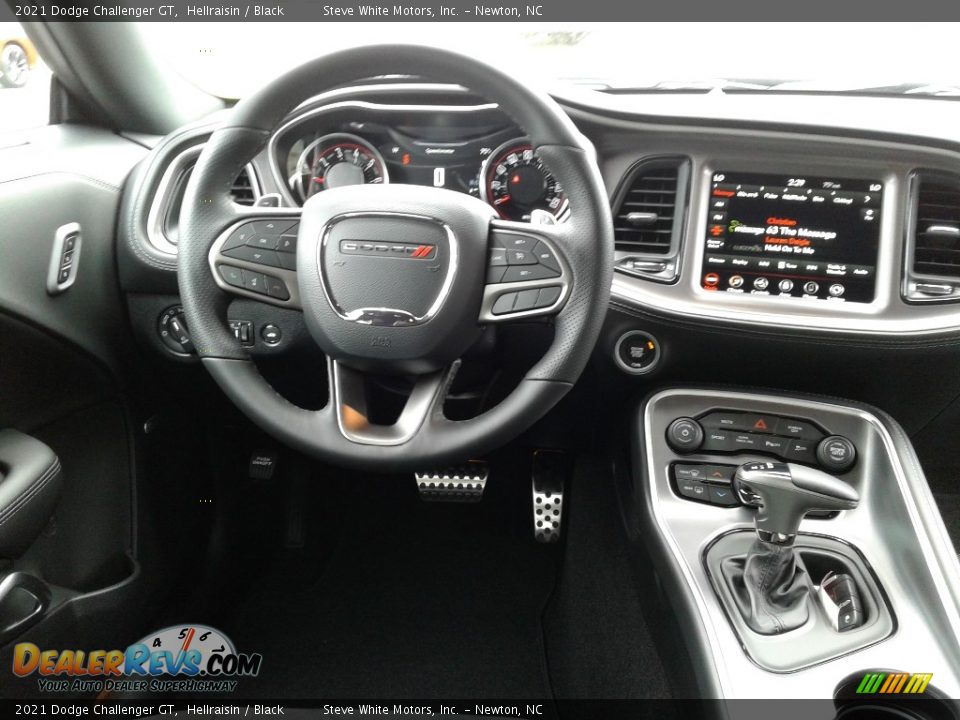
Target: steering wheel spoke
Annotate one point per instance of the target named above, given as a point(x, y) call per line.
point(256, 257)
point(527, 273)
point(350, 405)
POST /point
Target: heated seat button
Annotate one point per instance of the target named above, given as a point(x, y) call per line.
point(694, 490)
point(689, 472)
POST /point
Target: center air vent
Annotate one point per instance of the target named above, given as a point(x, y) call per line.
point(933, 267)
point(242, 190)
point(648, 216)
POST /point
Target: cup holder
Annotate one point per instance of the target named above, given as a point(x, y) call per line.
point(930, 705)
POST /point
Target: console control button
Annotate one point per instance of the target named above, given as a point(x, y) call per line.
point(836, 453)
point(758, 423)
point(721, 474)
point(731, 420)
point(690, 472)
point(723, 496)
point(694, 490)
point(804, 451)
point(685, 435)
point(797, 429)
point(719, 440)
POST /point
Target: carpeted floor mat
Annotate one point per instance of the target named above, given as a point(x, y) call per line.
point(417, 600)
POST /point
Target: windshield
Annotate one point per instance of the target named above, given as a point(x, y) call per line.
point(232, 59)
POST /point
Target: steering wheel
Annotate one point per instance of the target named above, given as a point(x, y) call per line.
point(394, 279)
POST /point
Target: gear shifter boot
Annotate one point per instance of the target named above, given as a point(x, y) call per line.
point(770, 586)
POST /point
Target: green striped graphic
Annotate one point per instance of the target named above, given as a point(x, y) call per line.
point(895, 684)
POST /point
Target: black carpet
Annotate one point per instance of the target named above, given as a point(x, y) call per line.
point(416, 600)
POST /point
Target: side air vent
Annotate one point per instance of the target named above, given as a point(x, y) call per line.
point(242, 190)
point(648, 213)
point(933, 262)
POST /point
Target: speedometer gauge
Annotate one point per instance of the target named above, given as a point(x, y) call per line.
point(335, 161)
point(515, 182)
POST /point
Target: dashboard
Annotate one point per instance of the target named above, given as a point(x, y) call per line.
point(785, 229)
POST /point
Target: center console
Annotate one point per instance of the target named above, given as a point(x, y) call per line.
point(800, 541)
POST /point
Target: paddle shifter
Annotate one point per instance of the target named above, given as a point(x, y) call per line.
point(772, 583)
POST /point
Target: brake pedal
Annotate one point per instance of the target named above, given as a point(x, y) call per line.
point(550, 468)
point(460, 483)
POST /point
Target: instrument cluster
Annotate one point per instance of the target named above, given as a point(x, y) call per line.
point(495, 164)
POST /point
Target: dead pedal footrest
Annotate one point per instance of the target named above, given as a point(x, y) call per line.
point(549, 470)
point(460, 483)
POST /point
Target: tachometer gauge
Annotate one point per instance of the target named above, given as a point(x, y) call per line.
point(334, 161)
point(514, 181)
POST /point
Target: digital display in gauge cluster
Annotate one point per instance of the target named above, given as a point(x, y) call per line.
point(796, 236)
point(507, 175)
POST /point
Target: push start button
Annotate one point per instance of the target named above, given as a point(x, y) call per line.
point(637, 352)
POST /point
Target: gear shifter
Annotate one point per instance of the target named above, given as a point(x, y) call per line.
point(771, 586)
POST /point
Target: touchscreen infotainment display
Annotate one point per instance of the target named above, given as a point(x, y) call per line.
point(792, 236)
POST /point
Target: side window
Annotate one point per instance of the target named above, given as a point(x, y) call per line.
point(24, 81)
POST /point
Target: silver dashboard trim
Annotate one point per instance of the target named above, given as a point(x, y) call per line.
point(180, 164)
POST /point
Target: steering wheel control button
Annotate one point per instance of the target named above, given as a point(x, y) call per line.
point(836, 453)
point(254, 255)
point(498, 257)
point(548, 296)
point(276, 288)
point(495, 274)
point(239, 237)
point(271, 334)
point(546, 257)
point(505, 303)
point(526, 300)
point(521, 273)
point(637, 352)
point(231, 275)
point(520, 257)
point(685, 435)
point(287, 244)
point(254, 282)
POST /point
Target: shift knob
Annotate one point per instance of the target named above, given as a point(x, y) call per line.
point(785, 492)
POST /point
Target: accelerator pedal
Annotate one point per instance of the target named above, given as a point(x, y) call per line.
point(550, 468)
point(459, 483)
